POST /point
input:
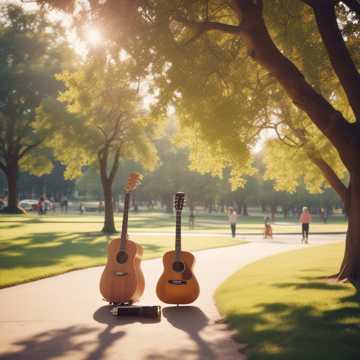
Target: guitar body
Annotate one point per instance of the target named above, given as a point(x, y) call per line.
point(178, 287)
point(122, 282)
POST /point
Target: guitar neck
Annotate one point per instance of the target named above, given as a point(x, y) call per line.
point(125, 222)
point(178, 234)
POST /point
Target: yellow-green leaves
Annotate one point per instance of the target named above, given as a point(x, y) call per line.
point(99, 111)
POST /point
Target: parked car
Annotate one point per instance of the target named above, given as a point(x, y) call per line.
point(32, 204)
point(28, 204)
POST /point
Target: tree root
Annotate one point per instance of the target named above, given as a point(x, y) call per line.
point(335, 278)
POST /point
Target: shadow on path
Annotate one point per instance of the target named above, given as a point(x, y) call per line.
point(191, 320)
point(52, 344)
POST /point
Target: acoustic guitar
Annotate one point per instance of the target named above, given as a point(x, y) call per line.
point(178, 284)
point(122, 280)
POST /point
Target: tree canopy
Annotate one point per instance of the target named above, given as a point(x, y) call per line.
point(102, 123)
point(243, 57)
point(33, 50)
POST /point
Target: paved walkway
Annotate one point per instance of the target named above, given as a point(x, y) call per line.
point(63, 317)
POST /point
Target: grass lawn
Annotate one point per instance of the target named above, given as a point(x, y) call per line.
point(32, 247)
point(282, 309)
point(162, 222)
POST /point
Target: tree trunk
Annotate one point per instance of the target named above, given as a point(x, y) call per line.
point(245, 210)
point(135, 204)
point(350, 267)
point(109, 225)
point(285, 212)
point(169, 203)
point(273, 213)
point(11, 176)
point(210, 206)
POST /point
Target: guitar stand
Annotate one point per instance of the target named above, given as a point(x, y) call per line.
point(127, 309)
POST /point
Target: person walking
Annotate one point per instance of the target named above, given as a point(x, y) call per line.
point(81, 208)
point(233, 216)
point(305, 220)
point(66, 204)
point(267, 228)
point(41, 206)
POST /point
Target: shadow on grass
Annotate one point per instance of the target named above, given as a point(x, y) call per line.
point(318, 285)
point(45, 249)
point(13, 226)
point(304, 332)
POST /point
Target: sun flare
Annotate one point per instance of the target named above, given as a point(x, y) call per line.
point(93, 36)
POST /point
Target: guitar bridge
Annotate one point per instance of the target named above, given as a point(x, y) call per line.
point(177, 282)
point(121, 273)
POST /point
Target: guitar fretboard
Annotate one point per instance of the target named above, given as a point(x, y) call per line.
point(125, 222)
point(178, 234)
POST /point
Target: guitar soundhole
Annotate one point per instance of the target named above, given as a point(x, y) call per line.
point(121, 257)
point(178, 266)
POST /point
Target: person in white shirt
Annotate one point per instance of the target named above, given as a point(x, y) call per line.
point(233, 216)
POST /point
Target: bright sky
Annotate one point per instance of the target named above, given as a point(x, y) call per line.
point(92, 35)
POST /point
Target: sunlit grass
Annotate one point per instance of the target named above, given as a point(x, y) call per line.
point(161, 222)
point(282, 308)
point(34, 248)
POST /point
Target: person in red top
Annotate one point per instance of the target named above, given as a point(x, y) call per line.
point(305, 219)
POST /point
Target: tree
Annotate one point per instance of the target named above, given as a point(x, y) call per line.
point(229, 58)
point(247, 25)
point(33, 49)
point(103, 123)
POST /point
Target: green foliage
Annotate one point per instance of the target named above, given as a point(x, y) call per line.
point(102, 112)
point(33, 49)
point(289, 166)
point(224, 99)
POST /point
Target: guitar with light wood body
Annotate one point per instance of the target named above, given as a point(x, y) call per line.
point(122, 280)
point(178, 284)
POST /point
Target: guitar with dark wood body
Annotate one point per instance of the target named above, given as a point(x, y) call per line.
point(178, 284)
point(122, 280)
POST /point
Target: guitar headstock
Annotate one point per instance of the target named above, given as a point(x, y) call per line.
point(134, 180)
point(179, 201)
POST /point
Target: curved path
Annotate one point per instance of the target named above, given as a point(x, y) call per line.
point(63, 317)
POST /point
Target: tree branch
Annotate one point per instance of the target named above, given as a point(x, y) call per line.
point(102, 132)
point(29, 147)
point(116, 130)
point(339, 55)
point(115, 166)
point(204, 26)
point(330, 176)
point(286, 139)
point(103, 157)
point(263, 50)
